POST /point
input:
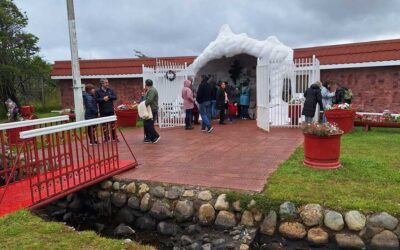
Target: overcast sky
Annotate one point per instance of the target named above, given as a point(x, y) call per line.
point(114, 28)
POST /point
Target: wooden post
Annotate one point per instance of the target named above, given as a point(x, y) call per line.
point(76, 75)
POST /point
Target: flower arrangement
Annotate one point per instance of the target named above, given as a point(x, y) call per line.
point(319, 129)
point(297, 100)
point(386, 116)
point(345, 106)
point(127, 106)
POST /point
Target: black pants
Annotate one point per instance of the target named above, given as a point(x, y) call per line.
point(92, 133)
point(149, 130)
point(107, 127)
point(221, 116)
point(188, 118)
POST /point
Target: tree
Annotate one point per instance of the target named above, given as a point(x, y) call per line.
point(21, 67)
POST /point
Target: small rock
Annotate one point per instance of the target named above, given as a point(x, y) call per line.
point(145, 203)
point(334, 220)
point(236, 206)
point(311, 214)
point(145, 223)
point(160, 210)
point(258, 216)
point(123, 187)
point(383, 220)
point(67, 217)
point(134, 203)
point(99, 227)
point(125, 216)
point(206, 246)
point(128, 241)
point(247, 219)
point(206, 240)
point(116, 186)
point(236, 237)
point(194, 246)
point(58, 213)
point(131, 188)
point(397, 231)
point(76, 205)
point(123, 230)
point(244, 247)
point(118, 199)
point(369, 231)
point(385, 240)
point(106, 184)
point(251, 204)
point(287, 210)
point(221, 203)
point(192, 229)
point(173, 193)
point(158, 192)
point(317, 236)
point(355, 220)
point(188, 194)
point(104, 194)
point(225, 220)
point(143, 188)
point(218, 242)
point(268, 226)
point(204, 195)
point(166, 228)
point(206, 214)
point(349, 241)
point(186, 240)
point(292, 230)
point(234, 232)
point(184, 210)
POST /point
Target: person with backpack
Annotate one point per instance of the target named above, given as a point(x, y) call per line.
point(313, 97)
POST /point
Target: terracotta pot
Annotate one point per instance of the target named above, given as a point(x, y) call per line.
point(294, 113)
point(344, 118)
point(322, 152)
point(126, 118)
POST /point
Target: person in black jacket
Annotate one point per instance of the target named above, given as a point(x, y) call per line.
point(313, 97)
point(105, 97)
point(203, 97)
point(91, 111)
point(221, 102)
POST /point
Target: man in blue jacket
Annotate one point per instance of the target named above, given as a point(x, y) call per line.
point(105, 97)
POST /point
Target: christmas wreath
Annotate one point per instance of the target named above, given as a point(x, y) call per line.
point(170, 75)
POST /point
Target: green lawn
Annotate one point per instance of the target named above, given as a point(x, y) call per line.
point(368, 181)
point(22, 230)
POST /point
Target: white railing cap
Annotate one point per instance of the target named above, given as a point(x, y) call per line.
point(64, 127)
point(26, 123)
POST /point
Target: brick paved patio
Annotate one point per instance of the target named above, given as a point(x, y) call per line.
point(235, 156)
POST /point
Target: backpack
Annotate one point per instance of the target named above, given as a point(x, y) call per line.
point(342, 95)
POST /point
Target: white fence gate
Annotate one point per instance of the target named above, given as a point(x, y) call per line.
point(280, 91)
point(168, 79)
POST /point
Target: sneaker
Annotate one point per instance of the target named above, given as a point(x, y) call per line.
point(156, 140)
point(210, 129)
point(93, 143)
point(203, 130)
point(115, 140)
point(147, 141)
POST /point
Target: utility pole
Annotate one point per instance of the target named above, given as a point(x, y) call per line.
point(76, 74)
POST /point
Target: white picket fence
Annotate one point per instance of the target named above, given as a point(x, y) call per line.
point(171, 115)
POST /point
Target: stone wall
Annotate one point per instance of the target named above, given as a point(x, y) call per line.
point(127, 89)
point(374, 89)
point(197, 218)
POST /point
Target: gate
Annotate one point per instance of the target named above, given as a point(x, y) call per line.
point(280, 91)
point(168, 79)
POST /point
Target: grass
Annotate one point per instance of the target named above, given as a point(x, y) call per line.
point(22, 230)
point(369, 180)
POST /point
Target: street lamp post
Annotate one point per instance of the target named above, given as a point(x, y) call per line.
point(76, 74)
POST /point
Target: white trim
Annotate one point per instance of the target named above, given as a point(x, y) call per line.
point(65, 127)
point(26, 123)
point(99, 76)
point(361, 65)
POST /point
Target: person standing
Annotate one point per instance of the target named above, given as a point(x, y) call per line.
point(151, 99)
point(91, 111)
point(105, 97)
point(328, 91)
point(188, 103)
point(245, 100)
point(204, 100)
point(313, 97)
point(222, 100)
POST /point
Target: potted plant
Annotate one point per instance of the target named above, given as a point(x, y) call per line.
point(127, 114)
point(322, 145)
point(387, 119)
point(294, 112)
point(341, 114)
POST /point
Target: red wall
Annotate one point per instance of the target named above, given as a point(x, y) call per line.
point(374, 89)
point(126, 89)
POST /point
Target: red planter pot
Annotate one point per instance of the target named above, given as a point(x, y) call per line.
point(344, 118)
point(294, 113)
point(322, 152)
point(26, 111)
point(13, 134)
point(126, 118)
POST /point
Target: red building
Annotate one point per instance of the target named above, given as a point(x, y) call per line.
point(370, 69)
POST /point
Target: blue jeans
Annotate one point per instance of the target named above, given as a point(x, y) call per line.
point(205, 112)
point(214, 111)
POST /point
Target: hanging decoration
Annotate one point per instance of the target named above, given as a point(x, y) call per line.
point(170, 75)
